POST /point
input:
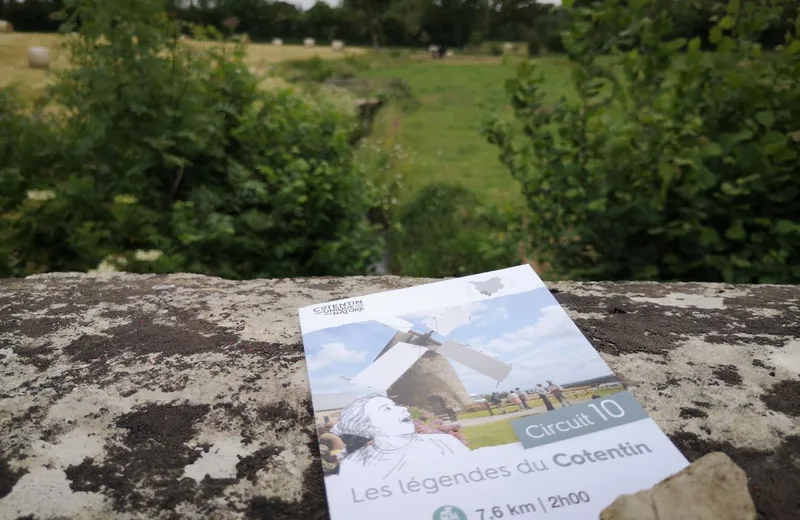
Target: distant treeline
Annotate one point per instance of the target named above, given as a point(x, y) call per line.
point(407, 23)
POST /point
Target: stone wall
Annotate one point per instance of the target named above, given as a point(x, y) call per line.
point(186, 396)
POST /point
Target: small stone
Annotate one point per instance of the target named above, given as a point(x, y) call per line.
point(711, 488)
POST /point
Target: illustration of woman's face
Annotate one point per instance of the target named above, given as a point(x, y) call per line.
point(387, 418)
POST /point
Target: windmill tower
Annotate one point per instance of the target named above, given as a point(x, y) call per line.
point(414, 368)
point(431, 383)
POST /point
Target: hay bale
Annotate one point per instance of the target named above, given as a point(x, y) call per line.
point(309, 42)
point(39, 58)
point(449, 53)
point(6, 27)
point(337, 45)
point(277, 42)
point(508, 47)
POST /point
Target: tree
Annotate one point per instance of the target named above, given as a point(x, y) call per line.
point(372, 12)
point(511, 20)
point(408, 15)
point(708, 188)
point(159, 156)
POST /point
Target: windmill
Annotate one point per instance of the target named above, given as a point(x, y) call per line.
point(409, 345)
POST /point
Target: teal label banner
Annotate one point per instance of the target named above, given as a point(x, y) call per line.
point(573, 421)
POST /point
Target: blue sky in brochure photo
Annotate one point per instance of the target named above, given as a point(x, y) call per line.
point(529, 330)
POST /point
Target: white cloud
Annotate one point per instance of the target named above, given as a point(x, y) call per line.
point(331, 384)
point(477, 340)
point(484, 320)
point(501, 313)
point(562, 360)
point(553, 323)
point(333, 353)
point(472, 310)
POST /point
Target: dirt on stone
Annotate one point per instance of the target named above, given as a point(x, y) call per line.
point(142, 336)
point(784, 397)
point(728, 374)
point(692, 413)
point(750, 339)
point(311, 506)
point(40, 326)
point(9, 477)
point(648, 328)
point(37, 356)
point(151, 456)
point(248, 466)
point(269, 350)
point(281, 415)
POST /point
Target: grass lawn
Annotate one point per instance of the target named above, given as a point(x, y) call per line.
point(14, 57)
point(485, 413)
point(501, 432)
point(444, 132)
point(492, 434)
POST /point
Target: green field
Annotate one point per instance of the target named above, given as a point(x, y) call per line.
point(501, 432)
point(444, 132)
point(485, 413)
point(492, 434)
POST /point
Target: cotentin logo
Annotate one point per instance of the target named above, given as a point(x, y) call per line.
point(333, 309)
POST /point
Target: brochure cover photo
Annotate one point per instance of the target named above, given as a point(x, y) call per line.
point(472, 398)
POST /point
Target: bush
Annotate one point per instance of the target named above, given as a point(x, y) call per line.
point(312, 69)
point(310, 73)
point(669, 163)
point(317, 70)
point(398, 54)
point(534, 44)
point(151, 156)
point(427, 423)
point(495, 49)
point(549, 31)
point(445, 231)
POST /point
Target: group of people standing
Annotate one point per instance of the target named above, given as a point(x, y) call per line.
point(520, 397)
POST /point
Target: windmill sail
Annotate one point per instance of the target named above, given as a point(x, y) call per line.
point(388, 368)
point(474, 359)
point(394, 323)
point(446, 322)
point(394, 362)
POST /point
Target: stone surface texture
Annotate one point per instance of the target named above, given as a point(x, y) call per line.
point(712, 488)
point(186, 396)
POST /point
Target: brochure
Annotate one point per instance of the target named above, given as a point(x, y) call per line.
point(474, 398)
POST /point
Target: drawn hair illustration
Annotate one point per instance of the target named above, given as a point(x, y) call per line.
point(354, 426)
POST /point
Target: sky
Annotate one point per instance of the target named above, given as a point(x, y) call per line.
point(306, 4)
point(529, 330)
